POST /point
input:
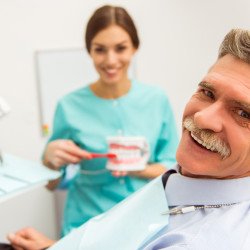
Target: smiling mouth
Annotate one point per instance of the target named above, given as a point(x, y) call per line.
point(111, 71)
point(206, 139)
point(203, 144)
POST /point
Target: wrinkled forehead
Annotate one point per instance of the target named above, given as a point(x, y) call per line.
point(231, 71)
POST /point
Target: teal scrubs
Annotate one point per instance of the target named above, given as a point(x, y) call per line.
point(88, 120)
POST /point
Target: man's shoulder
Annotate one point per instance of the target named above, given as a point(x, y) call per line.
point(225, 228)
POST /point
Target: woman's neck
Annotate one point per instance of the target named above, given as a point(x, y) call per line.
point(111, 91)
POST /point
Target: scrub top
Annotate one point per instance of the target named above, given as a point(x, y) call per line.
point(88, 120)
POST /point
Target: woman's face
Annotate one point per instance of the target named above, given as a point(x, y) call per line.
point(112, 50)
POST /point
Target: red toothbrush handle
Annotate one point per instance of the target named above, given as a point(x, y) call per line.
point(105, 155)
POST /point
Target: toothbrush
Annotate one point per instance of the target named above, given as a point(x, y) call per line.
point(104, 155)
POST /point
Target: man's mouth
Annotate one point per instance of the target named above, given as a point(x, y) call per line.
point(203, 144)
point(206, 139)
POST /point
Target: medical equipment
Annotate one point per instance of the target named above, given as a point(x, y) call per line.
point(4, 109)
point(104, 155)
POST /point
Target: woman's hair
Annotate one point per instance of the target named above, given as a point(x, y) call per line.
point(107, 15)
point(236, 43)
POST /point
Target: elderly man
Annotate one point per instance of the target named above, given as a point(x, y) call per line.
point(208, 197)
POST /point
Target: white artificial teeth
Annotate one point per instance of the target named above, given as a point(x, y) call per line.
point(124, 154)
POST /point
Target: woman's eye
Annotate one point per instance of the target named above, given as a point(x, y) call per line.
point(243, 114)
point(120, 48)
point(99, 50)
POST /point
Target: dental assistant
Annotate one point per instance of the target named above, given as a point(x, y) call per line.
point(112, 105)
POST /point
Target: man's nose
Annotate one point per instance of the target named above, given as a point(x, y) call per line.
point(210, 117)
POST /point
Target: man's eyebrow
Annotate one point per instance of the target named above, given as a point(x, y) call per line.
point(238, 103)
point(206, 85)
point(241, 104)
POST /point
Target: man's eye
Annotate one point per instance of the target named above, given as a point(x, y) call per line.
point(208, 93)
point(243, 114)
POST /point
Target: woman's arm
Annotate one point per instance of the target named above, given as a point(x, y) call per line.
point(151, 171)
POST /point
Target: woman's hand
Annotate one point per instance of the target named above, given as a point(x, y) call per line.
point(151, 171)
point(29, 239)
point(63, 152)
point(119, 173)
point(130, 173)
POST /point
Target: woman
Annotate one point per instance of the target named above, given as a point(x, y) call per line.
point(112, 105)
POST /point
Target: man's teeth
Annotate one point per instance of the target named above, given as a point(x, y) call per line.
point(209, 147)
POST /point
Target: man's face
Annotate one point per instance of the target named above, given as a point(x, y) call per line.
point(216, 134)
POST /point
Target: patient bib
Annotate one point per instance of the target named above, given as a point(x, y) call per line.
point(126, 226)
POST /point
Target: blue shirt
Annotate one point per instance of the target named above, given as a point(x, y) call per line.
point(87, 119)
point(224, 228)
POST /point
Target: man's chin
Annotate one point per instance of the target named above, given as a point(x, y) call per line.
point(198, 173)
point(191, 168)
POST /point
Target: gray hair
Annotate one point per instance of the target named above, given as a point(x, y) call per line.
point(236, 43)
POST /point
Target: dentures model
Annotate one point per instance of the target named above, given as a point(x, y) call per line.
point(129, 157)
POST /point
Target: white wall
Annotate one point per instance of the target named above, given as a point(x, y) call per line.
point(32, 208)
point(179, 42)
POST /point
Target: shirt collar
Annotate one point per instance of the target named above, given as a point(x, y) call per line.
point(181, 190)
